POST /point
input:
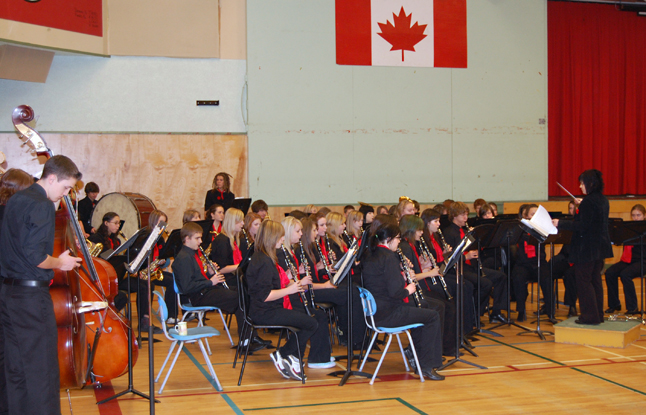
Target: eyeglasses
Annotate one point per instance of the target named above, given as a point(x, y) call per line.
point(115, 223)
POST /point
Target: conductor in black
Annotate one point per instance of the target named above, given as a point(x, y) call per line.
point(26, 308)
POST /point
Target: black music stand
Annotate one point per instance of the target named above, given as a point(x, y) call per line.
point(632, 233)
point(506, 234)
point(125, 247)
point(457, 261)
point(482, 232)
point(345, 374)
point(242, 204)
point(540, 239)
point(172, 246)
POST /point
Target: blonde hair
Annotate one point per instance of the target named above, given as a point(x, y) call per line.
point(268, 236)
point(399, 210)
point(334, 220)
point(309, 209)
point(248, 220)
point(350, 219)
point(232, 217)
point(289, 224)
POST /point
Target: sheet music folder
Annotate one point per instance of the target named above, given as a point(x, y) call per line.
point(344, 265)
point(123, 247)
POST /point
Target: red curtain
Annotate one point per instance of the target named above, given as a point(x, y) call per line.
point(597, 96)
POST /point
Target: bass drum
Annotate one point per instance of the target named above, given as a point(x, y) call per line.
point(133, 208)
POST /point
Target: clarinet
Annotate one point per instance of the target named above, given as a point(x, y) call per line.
point(418, 295)
point(327, 246)
point(428, 253)
point(306, 265)
point(246, 238)
point(324, 259)
point(212, 265)
point(482, 273)
point(294, 273)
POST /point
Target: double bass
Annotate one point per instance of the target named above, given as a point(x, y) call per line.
point(83, 298)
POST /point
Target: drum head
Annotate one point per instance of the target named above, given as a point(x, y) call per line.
point(133, 208)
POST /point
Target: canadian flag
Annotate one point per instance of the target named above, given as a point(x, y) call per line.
point(429, 33)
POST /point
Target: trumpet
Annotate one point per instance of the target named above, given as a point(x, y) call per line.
point(418, 295)
point(208, 263)
point(294, 273)
point(427, 253)
point(94, 248)
point(155, 271)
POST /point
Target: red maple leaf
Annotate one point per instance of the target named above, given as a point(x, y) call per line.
point(402, 36)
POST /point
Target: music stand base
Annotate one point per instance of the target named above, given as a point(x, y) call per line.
point(129, 390)
point(347, 373)
point(489, 332)
point(458, 359)
point(510, 323)
point(540, 333)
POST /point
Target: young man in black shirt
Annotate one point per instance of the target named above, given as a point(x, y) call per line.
point(87, 205)
point(27, 311)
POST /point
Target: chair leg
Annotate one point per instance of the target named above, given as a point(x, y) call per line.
point(225, 328)
point(170, 369)
point(300, 359)
point(246, 354)
point(200, 323)
point(210, 365)
point(383, 355)
point(401, 349)
point(412, 347)
point(365, 358)
point(170, 351)
point(243, 334)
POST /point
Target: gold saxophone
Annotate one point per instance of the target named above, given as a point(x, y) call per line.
point(94, 248)
point(155, 271)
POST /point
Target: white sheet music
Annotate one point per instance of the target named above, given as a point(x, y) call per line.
point(541, 222)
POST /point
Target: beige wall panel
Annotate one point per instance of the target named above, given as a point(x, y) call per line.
point(233, 29)
point(41, 36)
point(175, 171)
point(24, 64)
point(179, 29)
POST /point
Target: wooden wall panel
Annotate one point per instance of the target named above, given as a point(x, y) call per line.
point(175, 171)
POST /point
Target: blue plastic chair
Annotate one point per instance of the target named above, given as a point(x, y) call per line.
point(194, 334)
point(199, 311)
point(369, 310)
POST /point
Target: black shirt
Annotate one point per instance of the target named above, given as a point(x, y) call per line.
point(383, 278)
point(27, 235)
point(86, 207)
point(221, 198)
point(188, 274)
point(262, 277)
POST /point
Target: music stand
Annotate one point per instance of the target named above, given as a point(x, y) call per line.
point(348, 371)
point(506, 234)
point(631, 233)
point(125, 247)
point(172, 246)
point(540, 239)
point(242, 204)
point(456, 261)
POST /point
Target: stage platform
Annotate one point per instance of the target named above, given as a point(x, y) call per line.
point(617, 334)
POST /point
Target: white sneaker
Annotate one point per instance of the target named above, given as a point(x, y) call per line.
point(323, 365)
point(172, 321)
point(279, 362)
point(294, 367)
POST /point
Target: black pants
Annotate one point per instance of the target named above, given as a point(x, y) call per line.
point(526, 273)
point(485, 290)
point(438, 302)
point(315, 329)
point(339, 297)
point(143, 297)
point(469, 313)
point(590, 290)
point(626, 272)
point(31, 350)
point(427, 339)
point(222, 298)
point(561, 268)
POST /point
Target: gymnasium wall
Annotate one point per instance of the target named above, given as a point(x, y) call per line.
point(323, 133)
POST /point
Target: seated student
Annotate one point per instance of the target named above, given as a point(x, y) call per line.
point(260, 208)
point(225, 248)
point(494, 208)
point(485, 212)
point(347, 209)
point(249, 231)
point(269, 291)
point(216, 214)
point(381, 210)
point(203, 288)
point(526, 270)
point(334, 235)
point(191, 215)
point(354, 227)
point(107, 236)
point(86, 206)
point(311, 209)
point(454, 233)
point(220, 193)
point(477, 205)
point(628, 268)
point(404, 207)
point(383, 278)
point(368, 214)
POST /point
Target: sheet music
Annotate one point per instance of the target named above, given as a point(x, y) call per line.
point(541, 222)
point(344, 264)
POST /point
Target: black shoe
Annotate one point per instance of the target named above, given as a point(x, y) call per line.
point(578, 321)
point(541, 312)
point(572, 312)
point(432, 374)
point(497, 318)
point(521, 316)
point(633, 312)
point(259, 340)
point(411, 359)
point(611, 310)
point(144, 326)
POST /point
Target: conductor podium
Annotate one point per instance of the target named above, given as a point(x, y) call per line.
point(618, 334)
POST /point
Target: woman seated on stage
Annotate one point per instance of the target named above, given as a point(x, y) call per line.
point(191, 215)
point(335, 227)
point(107, 235)
point(269, 291)
point(225, 248)
point(628, 268)
point(249, 231)
point(216, 214)
point(322, 244)
point(404, 207)
point(424, 270)
point(324, 291)
point(383, 278)
point(368, 214)
point(354, 227)
point(220, 193)
point(486, 212)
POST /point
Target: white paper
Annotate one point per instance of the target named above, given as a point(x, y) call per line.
point(541, 222)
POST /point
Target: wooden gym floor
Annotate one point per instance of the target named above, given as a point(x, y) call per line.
point(524, 375)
